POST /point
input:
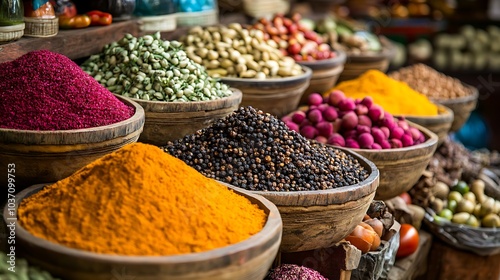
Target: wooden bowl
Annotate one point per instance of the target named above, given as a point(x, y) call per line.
point(48, 156)
point(320, 219)
point(401, 168)
point(277, 96)
point(169, 121)
point(461, 107)
point(248, 260)
point(439, 124)
point(356, 65)
point(325, 74)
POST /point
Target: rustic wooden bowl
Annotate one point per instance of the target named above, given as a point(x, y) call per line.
point(439, 124)
point(356, 65)
point(48, 156)
point(277, 96)
point(325, 74)
point(401, 168)
point(246, 260)
point(320, 219)
point(169, 121)
point(461, 107)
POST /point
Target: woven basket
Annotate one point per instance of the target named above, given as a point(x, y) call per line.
point(11, 32)
point(158, 23)
point(203, 18)
point(41, 27)
point(481, 241)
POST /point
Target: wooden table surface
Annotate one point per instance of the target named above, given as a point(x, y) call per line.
point(446, 262)
point(414, 265)
point(75, 44)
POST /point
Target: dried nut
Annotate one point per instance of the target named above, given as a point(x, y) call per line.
point(226, 63)
point(248, 74)
point(240, 68)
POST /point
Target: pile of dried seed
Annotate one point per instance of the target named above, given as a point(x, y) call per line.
point(235, 51)
point(430, 82)
point(255, 151)
point(150, 68)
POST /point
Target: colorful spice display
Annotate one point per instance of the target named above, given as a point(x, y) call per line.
point(140, 201)
point(294, 272)
point(295, 39)
point(234, 51)
point(342, 121)
point(149, 68)
point(430, 82)
point(256, 151)
point(394, 96)
point(42, 90)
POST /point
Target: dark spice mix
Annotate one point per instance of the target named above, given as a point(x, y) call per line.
point(256, 151)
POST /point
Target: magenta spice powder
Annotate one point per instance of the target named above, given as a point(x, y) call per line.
point(42, 90)
point(294, 272)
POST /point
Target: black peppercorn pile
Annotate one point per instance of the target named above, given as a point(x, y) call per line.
point(256, 151)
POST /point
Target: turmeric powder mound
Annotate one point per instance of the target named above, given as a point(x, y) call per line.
point(394, 96)
point(140, 201)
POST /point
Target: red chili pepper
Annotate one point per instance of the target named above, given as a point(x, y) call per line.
point(100, 18)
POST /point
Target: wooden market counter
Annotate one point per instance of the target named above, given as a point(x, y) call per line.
point(81, 43)
point(75, 44)
point(446, 262)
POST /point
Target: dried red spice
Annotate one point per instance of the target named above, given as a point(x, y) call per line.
point(294, 272)
point(43, 90)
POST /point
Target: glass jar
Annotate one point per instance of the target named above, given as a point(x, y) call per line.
point(188, 6)
point(11, 12)
point(42, 10)
point(154, 7)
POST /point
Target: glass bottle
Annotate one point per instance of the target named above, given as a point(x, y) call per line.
point(11, 12)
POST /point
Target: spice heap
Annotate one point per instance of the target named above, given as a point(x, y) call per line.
point(394, 96)
point(255, 151)
point(430, 82)
point(295, 39)
point(140, 201)
point(42, 90)
point(347, 35)
point(294, 272)
point(234, 51)
point(149, 68)
point(342, 121)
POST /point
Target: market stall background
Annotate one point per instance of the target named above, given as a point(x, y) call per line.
point(416, 27)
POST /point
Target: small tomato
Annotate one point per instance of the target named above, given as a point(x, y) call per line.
point(408, 241)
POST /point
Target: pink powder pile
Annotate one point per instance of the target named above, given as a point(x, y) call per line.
point(294, 272)
point(42, 90)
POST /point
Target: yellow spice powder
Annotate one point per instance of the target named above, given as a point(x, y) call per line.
point(140, 200)
point(394, 96)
